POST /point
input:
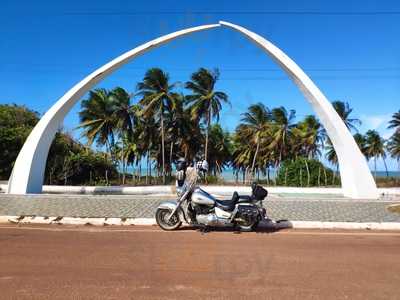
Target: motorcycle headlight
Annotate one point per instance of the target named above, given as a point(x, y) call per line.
point(180, 175)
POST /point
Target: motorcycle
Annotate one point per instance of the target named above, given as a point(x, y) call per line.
point(198, 208)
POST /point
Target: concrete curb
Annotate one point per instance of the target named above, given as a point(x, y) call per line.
point(152, 221)
point(76, 221)
point(346, 225)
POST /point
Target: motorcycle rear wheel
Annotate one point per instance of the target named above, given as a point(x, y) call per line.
point(248, 226)
point(161, 218)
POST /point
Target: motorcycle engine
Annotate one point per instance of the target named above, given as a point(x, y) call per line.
point(209, 220)
point(201, 209)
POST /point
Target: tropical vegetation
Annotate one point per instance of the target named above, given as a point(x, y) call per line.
point(69, 162)
point(139, 135)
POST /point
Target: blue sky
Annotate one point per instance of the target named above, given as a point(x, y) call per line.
point(351, 49)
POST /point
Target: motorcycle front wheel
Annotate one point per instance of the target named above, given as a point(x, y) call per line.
point(162, 215)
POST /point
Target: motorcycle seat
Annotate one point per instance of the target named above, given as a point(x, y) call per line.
point(228, 205)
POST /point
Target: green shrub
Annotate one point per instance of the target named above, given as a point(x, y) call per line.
point(306, 172)
point(16, 123)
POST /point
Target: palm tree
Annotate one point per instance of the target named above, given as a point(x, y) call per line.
point(394, 146)
point(375, 148)
point(331, 154)
point(256, 122)
point(395, 121)
point(122, 113)
point(131, 153)
point(147, 137)
point(242, 153)
point(205, 103)
point(344, 111)
point(220, 149)
point(310, 135)
point(157, 97)
point(185, 133)
point(97, 119)
point(282, 122)
point(361, 142)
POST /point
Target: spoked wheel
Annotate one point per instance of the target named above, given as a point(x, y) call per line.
point(162, 216)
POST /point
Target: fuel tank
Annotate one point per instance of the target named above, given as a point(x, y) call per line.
point(201, 197)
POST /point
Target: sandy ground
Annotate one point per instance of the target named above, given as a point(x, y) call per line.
point(61, 262)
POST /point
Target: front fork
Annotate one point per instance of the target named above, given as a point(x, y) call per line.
point(178, 206)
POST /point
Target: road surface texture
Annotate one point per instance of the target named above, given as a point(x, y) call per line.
point(61, 262)
point(295, 208)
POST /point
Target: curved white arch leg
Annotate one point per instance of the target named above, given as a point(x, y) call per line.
point(27, 175)
point(357, 180)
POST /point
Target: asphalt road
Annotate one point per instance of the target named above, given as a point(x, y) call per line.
point(60, 262)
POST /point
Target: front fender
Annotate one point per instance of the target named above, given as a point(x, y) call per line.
point(168, 205)
point(171, 205)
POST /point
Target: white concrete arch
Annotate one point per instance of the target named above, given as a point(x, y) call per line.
point(357, 181)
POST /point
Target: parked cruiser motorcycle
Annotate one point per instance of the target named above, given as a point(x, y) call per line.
point(197, 207)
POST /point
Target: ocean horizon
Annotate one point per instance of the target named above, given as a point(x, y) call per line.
point(228, 174)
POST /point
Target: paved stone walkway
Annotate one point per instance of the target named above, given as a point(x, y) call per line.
point(278, 207)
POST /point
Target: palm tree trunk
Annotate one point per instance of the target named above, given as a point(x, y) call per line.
point(109, 150)
point(207, 131)
point(375, 167)
point(162, 147)
point(123, 161)
point(255, 156)
point(319, 176)
point(170, 158)
point(147, 169)
point(308, 172)
point(281, 149)
point(386, 169)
